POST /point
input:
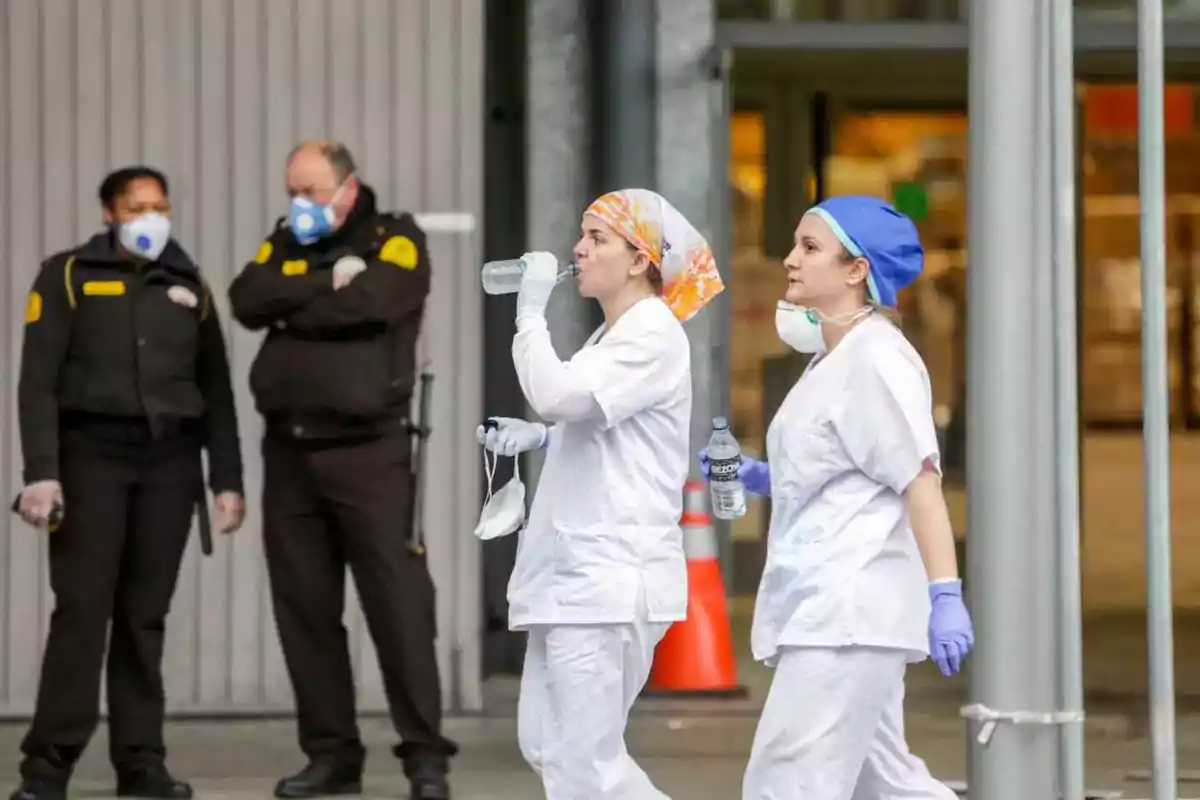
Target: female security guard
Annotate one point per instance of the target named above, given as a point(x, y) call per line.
point(860, 547)
point(124, 378)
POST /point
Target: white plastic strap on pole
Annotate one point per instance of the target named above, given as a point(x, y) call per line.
point(991, 718)
point(445, 222)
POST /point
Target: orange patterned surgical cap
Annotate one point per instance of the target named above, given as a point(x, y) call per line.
point(651, 224)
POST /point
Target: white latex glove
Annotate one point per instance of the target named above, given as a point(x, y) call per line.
point(541, 274)
point(37, 501)
point(346, 269)
point(511, 437)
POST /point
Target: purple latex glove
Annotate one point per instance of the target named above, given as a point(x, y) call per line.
point(754, 474)
point(950, 633)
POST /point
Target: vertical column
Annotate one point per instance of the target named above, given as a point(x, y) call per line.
point(505, 236)
point(1005, 518)
point(689, 100)
point(558, 124)
point(693, 161)
point(1155, 395)
point(1041, 634)
point(627, 65)
point(1066, 409)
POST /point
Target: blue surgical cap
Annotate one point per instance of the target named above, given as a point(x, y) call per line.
point(870, 228)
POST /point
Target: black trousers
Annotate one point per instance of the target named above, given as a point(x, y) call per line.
point(115, 558)
point(326, 507)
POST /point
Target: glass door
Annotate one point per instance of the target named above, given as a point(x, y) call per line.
point(916, 158)
point(790, 148)
point(1110, 270)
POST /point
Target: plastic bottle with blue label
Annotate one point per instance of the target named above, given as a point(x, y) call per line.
point(724, 459)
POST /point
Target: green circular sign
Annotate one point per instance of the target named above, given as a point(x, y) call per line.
point(912, 200)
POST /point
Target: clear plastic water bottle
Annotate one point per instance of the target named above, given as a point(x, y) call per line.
point(725, 457)
point(504, 277)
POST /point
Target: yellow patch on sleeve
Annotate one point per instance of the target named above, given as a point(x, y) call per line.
point(295, 267)
point(264, 253)
point(401, 251)
point(33, 309)
point(104, 288)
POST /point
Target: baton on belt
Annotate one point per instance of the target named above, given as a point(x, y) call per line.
point(56, 513)
point(206, 540)
point(421, 430)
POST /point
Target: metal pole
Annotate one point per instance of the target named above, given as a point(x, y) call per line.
point(1066, 398)
point(1001, 395)
point(718, 71)
point(1155, 397)
point(1041, 690)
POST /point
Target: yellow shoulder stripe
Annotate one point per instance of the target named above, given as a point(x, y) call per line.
point(68, 283)
point(206, 301)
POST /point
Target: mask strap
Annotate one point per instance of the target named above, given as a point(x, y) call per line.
point(339, 193)
point(844, 319)
point(489, 469)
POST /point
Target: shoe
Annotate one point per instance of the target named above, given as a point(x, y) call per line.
point(429, 784)
point(322, 777)
point(40, 789)
point(152, 781)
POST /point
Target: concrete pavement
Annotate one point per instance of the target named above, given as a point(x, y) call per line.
point(689, 750)
point(695, 749)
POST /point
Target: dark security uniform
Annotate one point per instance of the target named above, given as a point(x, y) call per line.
point(333, 381)
point(120, 389)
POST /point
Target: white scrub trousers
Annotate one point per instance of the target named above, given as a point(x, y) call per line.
point(833, 729)
point(577, 686)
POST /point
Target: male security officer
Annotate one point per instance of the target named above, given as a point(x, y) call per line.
point(340, 288)
point(124, 378)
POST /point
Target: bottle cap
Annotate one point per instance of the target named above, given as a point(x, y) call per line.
point(720, 424)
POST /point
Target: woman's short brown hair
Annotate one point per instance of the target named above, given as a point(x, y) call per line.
point(891, 314)
point(653, 273)
point(656, 279)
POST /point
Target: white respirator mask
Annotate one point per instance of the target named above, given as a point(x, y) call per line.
point(503, 512)
point(146, 236)
point(799, 327)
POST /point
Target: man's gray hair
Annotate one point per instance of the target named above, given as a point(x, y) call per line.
point(336, 153)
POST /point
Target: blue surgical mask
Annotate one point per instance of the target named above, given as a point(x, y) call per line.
point(146, 236)
point(310, 220)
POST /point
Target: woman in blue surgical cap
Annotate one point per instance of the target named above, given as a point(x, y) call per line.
point(861, 576)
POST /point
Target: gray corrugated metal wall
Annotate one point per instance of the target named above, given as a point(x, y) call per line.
point(216, 92)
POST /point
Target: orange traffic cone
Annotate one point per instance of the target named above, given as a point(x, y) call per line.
point(695, 658)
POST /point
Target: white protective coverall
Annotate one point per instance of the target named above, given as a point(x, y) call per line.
point(843, 604)
point(600, 571)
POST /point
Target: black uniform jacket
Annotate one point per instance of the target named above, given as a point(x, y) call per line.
point(107, 348)
point(336, 363)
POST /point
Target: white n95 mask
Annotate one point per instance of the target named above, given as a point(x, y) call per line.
point(799, 328)
point(146, 236)
point(504, 511)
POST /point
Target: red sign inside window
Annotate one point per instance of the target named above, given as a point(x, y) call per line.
point(1114, 109)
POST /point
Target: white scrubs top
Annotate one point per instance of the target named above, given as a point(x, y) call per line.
point(843, 568)
point(604, 526)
